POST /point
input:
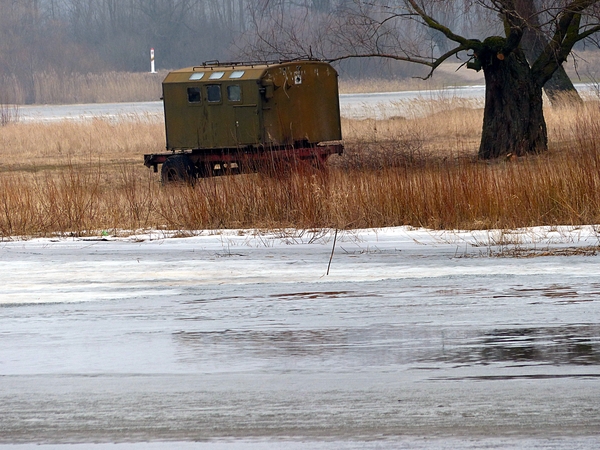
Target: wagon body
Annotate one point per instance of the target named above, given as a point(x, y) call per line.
point(219, 114)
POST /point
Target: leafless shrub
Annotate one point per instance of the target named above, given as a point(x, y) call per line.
point(8, 114)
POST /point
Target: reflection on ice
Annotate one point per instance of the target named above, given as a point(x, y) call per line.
point(553, 291)
point(572, 345)
point(315, 295)
point(392, 346)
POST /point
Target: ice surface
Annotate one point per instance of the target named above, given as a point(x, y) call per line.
point(73, 269)
point(240, 339)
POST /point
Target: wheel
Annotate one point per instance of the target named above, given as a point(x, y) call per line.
point(178, 169)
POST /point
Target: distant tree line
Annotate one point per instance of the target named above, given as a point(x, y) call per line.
point(63, 37)
point(95, 35)
point(83, 36)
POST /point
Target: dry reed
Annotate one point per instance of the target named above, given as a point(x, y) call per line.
point(57, 88)
point(83, 178)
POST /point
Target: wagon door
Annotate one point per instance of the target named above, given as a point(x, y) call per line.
point(246, 125)
point(244, 99)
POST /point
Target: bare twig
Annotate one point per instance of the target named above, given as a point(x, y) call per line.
point(332, 250)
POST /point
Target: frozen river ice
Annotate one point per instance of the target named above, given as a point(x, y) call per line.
point(240, 339)
point(379, 105)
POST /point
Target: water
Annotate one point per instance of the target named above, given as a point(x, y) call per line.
point(408, 344)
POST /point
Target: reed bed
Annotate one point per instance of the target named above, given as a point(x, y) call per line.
point(51, 87)
point(88, 179)
point(58, 88)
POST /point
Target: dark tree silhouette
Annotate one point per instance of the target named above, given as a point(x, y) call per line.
point(559, 88)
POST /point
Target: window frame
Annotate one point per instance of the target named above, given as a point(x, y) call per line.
point(240, 96)
point(198, 91)
point(214, 102)
point(216, 75)
point(237, 74)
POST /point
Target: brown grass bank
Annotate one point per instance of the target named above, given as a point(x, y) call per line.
point(83, 178)
point(58, 88)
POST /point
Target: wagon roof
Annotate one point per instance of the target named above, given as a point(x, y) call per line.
point(221, 72)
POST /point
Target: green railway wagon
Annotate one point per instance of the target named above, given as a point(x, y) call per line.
point(225, 118)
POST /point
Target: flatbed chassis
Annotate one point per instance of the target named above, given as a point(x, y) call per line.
point(253, 159)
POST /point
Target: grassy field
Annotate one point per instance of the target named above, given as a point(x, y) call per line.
point(87, 178)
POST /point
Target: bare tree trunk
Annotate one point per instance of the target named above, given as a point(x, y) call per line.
point(111, 5)
point(513, 121)
point(241, 9)
point(559, 88)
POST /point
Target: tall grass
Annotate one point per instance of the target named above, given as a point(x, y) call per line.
point(85, 178)
point(57, 88)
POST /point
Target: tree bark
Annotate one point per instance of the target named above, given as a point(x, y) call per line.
point(513, 121)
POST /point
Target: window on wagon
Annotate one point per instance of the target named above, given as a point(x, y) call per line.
point(213, 93)
point(234, 93)
point(194, 95)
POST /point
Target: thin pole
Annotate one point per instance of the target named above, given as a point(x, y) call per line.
point(152, 68)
